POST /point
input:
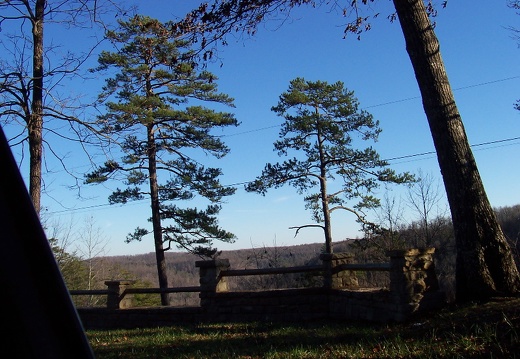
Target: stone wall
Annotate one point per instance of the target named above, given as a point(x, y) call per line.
point(273, 305)
point(104, 318)
point(413, 289)
point(341, 279)
point(413, 282)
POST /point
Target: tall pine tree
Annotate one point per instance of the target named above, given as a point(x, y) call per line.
point(322, 125)
point(151, 115)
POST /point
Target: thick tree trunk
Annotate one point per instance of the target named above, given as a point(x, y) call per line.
point(156, 217)
point(35, 120)
point(485, 265)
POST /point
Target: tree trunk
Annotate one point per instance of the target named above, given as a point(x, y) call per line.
point(485, 265)
point(156, 216)
point(326, 214)
point(35, 120)
point(323, 189)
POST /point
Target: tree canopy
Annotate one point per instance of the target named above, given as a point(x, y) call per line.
point(322, 125)
point(154, 113)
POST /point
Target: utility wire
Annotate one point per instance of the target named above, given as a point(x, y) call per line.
point(237, 184)
point(433, 152)
point(383, 104)
point(371, 106)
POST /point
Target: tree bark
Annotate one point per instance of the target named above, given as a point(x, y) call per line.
point(485, 265)
point(323, 190)
point(35, 120)
point(156, 216)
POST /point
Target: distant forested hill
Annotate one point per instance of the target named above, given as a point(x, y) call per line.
point(183, 273)
point(182, 270)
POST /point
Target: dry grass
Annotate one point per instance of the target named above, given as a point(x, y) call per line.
point(486, 330)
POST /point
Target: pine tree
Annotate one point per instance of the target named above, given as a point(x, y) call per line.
point(151, 116)
point(321, 125)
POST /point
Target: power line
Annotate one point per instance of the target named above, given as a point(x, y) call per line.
point(371, 106)
point(385, 104)
point(456, 89)
point(433, 152)
point(96, 206)
point(250, 131)
point(487, 83)
point(497, 141)
point(410, 156)
point(237, 184)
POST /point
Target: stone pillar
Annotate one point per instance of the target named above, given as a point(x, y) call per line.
point(340, 279)
point(343, 278)
point(412, 275)
point(115, 300)
point(210, 280)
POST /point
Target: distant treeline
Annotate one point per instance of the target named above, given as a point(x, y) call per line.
point(436, 233)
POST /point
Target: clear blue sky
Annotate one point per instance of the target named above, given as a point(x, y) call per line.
point(482, 61)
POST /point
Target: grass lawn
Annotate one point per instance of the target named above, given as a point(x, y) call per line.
point(488, 330)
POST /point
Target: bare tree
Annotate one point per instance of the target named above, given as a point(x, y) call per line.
point(424, 197)
point(515, 4)
point(62, 239)
point(391, 214)
point(385, 233)
point(91, 244)
point(32, 73)
point(61, 235)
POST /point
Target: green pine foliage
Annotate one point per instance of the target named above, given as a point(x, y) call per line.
point(323, 129)
point(155, 113)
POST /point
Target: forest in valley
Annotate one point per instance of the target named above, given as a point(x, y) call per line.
point(437, 233)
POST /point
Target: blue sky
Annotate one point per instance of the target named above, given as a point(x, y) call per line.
point(482, 61)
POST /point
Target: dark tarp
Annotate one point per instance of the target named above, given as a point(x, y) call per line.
point(38, 318)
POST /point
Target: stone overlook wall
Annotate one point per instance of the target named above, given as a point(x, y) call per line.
point(413, 289)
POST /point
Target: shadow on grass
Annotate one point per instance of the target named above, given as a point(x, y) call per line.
point(238, 340)
point(488, 330)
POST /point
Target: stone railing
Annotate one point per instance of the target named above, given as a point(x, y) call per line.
point(413, 288)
